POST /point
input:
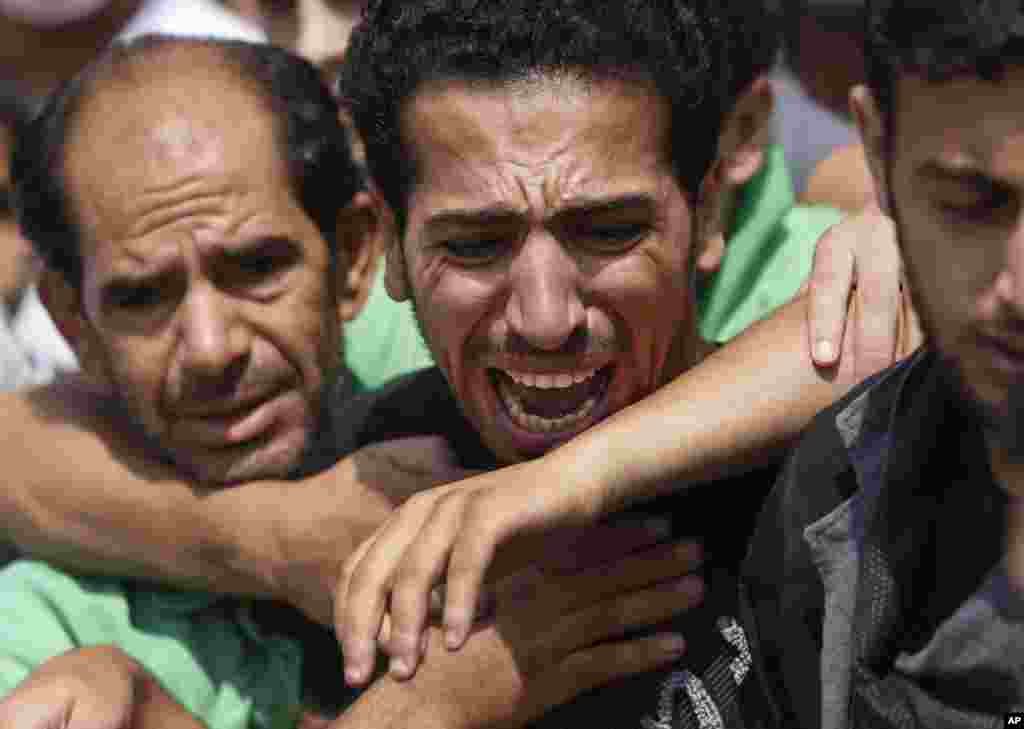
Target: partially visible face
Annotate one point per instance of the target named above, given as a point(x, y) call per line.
point(207, 290)
point(957, 180)
point(548, 253)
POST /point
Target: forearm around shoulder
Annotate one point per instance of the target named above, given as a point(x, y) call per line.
point(82, 492)
point(737, 409)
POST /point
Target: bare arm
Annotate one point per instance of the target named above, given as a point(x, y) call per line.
point(79, 491)
point(740, 407)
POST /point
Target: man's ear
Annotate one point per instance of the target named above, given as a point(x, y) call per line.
point(396, 278)
point(741, 142)
point(745, 132)
point(64, 303)
point(361, 234)
point(872, 134)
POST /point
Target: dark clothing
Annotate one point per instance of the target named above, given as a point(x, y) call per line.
point(721, 514)
point(875, 593)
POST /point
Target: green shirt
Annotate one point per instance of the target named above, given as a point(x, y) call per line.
point(205, 650)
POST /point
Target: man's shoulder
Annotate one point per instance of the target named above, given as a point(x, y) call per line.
point(824, 447)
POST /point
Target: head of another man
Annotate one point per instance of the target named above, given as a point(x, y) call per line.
point(200, 201)
point(943, 125)
point(552, 167)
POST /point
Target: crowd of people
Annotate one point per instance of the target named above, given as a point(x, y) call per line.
point(463, 364)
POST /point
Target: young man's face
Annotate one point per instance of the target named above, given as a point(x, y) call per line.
point(548, 251)
point(208, 295)
point(957, 182)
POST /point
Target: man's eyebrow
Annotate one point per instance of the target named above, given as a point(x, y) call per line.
point(584, 205)
point(259, 244)
point(475, 217)
point(573, 207)
point(961, 174)
point(127, 280)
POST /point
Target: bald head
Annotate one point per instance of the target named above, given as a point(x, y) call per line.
point(157, 97)
point(205, 199)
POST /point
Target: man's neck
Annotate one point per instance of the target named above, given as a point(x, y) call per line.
point(45, 57)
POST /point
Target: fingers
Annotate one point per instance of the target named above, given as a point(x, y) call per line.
point(616, 616)
point(606, 662)
point(879, 298)
point(422, 567)
point(636, 571)
point(471, 554)
point(359, 608)
point(830, 283)
point(594, 546)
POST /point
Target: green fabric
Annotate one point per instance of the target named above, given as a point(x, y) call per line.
point(768, 254)
point(203, 649)
point(384, 340)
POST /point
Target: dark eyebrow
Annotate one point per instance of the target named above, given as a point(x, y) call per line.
point(494, 215)
point(124, 282)
point(498, 215)
point(261, 245)
point(961, 175)
point(584, 206)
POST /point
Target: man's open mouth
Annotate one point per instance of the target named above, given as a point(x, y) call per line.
point(551, 402)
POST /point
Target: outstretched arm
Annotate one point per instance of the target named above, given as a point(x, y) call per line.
point(79, 491)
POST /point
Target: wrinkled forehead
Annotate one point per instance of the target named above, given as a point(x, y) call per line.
point(562, 135)
point(133, 137)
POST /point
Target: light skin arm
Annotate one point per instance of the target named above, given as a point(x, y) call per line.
point(722, 415)
point(78, 492)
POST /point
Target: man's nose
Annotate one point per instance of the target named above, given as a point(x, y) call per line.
point(1010, 281)
point(212, 335)
point(544, 305)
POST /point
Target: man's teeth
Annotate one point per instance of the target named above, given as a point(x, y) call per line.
point(549, 381)
point(538, 424)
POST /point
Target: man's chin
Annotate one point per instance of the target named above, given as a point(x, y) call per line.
point(239, 464)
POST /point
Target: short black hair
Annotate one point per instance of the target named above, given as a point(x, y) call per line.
point(755, 37)
point(939, 41)
point(680, 47)
point(314, 143)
